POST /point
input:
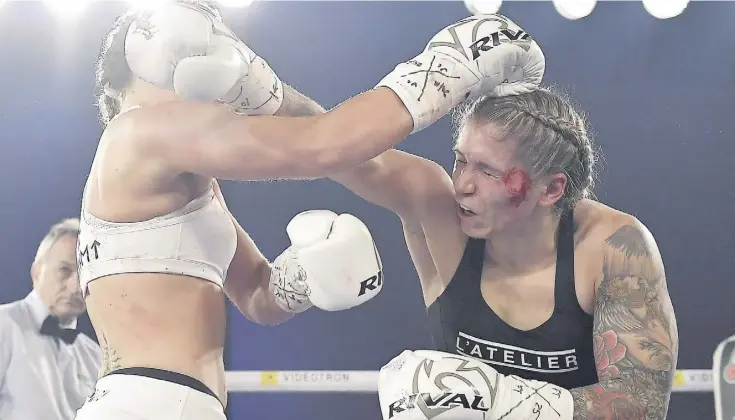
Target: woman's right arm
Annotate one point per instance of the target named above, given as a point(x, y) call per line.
point(458, 63)
point(208, 139)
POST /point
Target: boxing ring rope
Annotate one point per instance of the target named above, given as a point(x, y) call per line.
point(366, 382)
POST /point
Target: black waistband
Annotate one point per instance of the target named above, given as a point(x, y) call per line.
point(168, 376)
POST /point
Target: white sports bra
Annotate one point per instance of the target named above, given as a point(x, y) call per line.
point(197, 240)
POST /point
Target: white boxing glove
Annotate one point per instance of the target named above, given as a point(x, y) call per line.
point(427, 384)
point(183, 46)
point(479, 55)
point(332, 264)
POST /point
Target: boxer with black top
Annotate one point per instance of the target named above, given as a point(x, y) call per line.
point(542, 301)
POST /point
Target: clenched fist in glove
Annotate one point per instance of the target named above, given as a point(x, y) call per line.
point(184, 46)
point(427, 384)
point(332, 264)
point(479, 55)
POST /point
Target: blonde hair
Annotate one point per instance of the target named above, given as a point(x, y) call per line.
point(66, 227)
point(553, 136)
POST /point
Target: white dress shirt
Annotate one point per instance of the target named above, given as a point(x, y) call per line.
point(42, 377)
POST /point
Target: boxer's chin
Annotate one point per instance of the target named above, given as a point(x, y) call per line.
point(474, 227)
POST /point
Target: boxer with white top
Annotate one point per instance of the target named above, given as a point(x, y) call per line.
point(183, 103)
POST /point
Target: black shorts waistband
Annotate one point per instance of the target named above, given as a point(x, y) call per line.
point(168, 376)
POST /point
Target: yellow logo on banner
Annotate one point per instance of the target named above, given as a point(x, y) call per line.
point(269, 377)
point(679, 378)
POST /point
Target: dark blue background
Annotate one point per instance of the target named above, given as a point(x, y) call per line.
point(659, 95)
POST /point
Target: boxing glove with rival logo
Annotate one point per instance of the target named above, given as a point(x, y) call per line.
point(332, 264)
point(428, 384)
point(479, 55)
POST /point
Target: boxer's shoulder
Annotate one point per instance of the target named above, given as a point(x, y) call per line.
point(156, 139)
point(129, 129)
point(608, 234)
point(597, 221)
point(166, 122)
point(599, 227)
point(145, 124)
point(142, 172)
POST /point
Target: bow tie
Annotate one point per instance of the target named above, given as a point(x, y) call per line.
point(52, 328)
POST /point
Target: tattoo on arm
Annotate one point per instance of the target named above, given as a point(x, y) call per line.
point(635, 334)
point(110, 360)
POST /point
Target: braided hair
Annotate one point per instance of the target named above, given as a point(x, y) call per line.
point(552, 137)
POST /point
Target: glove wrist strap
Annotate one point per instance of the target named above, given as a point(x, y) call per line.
point(260, 92)
point(288, 283)
point(430, 85)
point(523, 399)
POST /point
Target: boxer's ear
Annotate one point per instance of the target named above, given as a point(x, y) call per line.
point(554, 188)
